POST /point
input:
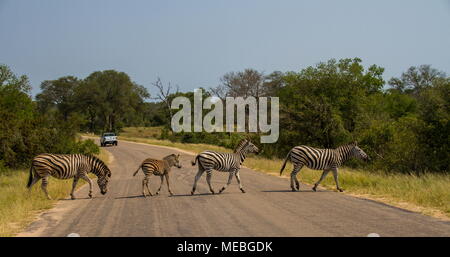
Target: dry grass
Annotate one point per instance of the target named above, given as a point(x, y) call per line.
point(19, 207)
point(428, 194)
point(142, 132)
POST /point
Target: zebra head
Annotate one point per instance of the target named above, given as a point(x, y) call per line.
point(103, 178)
point(249, 147)
point(173, 160)
point(358, 152)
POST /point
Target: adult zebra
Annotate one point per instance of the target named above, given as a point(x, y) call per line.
point(224, 162)
point(321, 159)
point(65, 166)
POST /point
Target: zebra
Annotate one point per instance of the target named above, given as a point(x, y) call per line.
point(66, 166)
point(321, 159)
point(224, 162)
point(159, 168)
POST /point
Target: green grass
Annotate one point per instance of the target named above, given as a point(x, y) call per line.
point(19, 207)
point(428, 194)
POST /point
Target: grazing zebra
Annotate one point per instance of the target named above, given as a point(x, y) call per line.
point(66, 166)
point(224, 162)
point(159, 168)
point(321, 159)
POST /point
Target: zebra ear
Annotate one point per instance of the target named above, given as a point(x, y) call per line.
point(355, 143)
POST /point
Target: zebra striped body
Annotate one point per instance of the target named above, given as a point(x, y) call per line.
point(321, 159)
point(159, 168)
point(66, 166)
point(223, 162)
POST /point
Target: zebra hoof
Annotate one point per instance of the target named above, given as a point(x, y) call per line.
point(212, 192)
point(340, 190)
point(221, 190)
point(293, 189)
point(242, 190)
point(90, 196)
point(314, 189)
point(192, 192)
point(72, 197)
point(157, 193)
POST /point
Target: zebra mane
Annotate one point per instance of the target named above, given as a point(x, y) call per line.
point(169, 156)
point(98, 161)
point(241, 144)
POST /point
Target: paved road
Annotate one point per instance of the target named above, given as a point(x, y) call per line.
point(267, 209)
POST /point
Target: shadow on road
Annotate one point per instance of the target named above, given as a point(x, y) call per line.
point(131, 196)
point(78, 198)
point(202, 194)
point(290, 191)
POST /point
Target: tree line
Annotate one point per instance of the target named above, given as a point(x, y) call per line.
point(402, 123)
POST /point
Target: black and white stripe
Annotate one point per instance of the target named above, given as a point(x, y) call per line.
point(224, 162)
point(66, 166)
point(321, 159)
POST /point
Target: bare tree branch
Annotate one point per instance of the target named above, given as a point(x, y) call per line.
point(164, 93)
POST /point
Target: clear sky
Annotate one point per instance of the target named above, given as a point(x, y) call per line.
point(193, 43)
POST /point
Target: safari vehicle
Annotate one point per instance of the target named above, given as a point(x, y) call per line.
point(108, 138)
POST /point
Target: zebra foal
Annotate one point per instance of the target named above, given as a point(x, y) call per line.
point(159, 168)
point(66, 166)
point(223, 162)
point(321, 159)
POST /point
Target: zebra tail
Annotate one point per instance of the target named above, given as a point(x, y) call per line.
point(284, 163)
point(194, 161)
point(30, 177)
point(134, 174)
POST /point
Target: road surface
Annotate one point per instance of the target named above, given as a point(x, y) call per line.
point(268, 208)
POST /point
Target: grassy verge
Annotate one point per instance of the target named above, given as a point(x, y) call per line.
point(18, 207)
point(428, 194)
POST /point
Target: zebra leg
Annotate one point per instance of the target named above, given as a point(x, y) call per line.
point(87, 179)
point(168, 184)
point(208, 179)
point(74, 185)
point(294, 178)
point(297, 184)
point(335, 175)
point(159, 189)
point(324, 174)
point(197, 177)
point(36, 178)
point(238, 178)
point(146, 184)
point(230, 177)
point(44, 187)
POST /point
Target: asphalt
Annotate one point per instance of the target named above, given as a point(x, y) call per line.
point(268, 209)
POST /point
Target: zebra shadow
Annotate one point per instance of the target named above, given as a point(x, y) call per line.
point(199, 194)
point(78, 198)
point(290, 191)
point(133, 196)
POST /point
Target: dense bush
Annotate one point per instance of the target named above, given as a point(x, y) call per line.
point(25, 132)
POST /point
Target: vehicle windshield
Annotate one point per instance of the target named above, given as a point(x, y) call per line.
point(109, 134)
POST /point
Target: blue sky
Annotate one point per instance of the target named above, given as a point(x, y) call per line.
point(193, 43)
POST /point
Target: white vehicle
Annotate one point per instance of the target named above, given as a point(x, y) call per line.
point(108, 139)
